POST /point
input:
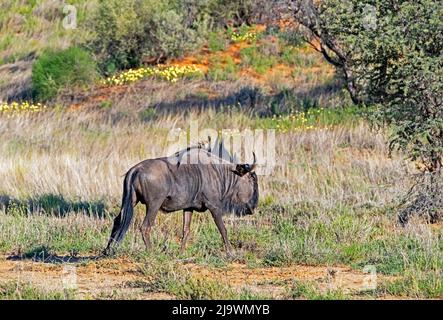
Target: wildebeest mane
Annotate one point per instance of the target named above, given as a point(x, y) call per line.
point(217, 150)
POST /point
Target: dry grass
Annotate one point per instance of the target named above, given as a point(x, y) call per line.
point(26, 29)
point(328, 201)
point(329, 204)
point(91, 152)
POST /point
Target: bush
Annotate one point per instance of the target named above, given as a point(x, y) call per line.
point(56, 70)
point(239, 12)
point(255, 57)
point(390, 56)
point(130, 32)
point(216, 41)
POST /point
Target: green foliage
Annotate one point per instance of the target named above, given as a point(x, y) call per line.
point(422, 285)
point(394, 57)
point(235, 12)
point(56, 70)
point(129, 31)
point(291, 56)
point(223, 69)
point(255, 57)
point(308, 290)
point(291, 38)
point(34, 25)
point(312, 118)
point(216, 41)
point(23, 291)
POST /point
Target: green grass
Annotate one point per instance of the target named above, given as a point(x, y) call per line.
point(308, 290)
point(328, 203)
point(291, 56)
point(37, 25)
point(164, 275)
point(54, 71)
point(258, 61)
point(311, 118)
point(217, 41)
point(291, 38)
point(318, 237)
point(184, 286)
point(419, 285)
point(25, 291)
point(423, 285)
point(222, 69)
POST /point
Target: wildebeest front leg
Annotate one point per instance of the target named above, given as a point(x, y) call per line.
point(148, 222)
point(187, 215)
point(221, 227)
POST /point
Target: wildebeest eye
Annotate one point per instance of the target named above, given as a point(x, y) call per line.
point(242, 169)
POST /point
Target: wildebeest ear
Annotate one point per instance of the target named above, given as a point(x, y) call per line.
point(242, 169)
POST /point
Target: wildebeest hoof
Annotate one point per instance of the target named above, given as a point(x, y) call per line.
point(230, 254)
point(108, 252)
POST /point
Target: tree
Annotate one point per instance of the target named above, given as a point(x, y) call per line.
point(390, 54)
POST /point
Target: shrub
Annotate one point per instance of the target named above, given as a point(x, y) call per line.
point(129, 32)
point(26, 291)
point(238, 12)
point(291, 38)
point(223, 69)
point(56, 70)
point(390, 56)
point(216, 42)
point(254, 57)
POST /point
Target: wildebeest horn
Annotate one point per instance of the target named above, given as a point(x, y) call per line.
point(242, 169)
point(254, 164)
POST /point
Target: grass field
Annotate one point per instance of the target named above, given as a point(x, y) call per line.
point(329, 203)
point(326, 225)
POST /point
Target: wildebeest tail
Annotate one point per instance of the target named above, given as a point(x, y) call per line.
point(123, 220)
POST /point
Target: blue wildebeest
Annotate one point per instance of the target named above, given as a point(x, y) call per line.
point(194, 179)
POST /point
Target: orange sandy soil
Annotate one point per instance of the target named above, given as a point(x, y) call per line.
point(108, 278)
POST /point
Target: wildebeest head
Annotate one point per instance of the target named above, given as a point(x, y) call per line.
point(245, 195)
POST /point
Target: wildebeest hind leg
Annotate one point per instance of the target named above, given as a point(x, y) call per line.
point(151, 213)
point(187, 215)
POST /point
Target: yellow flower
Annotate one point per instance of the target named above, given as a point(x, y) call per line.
point(15, 108)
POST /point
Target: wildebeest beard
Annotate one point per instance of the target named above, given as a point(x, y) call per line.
point(241, 209)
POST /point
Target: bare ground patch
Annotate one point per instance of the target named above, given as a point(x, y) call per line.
point(273, 281)
point(111, 278)
point(92, 279)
